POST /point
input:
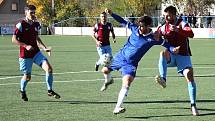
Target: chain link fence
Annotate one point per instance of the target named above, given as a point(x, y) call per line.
point(200, 22)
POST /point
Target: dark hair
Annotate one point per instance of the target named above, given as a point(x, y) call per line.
point(30, 7)
point(104, 13)
point(145, 20)
point(170, 9)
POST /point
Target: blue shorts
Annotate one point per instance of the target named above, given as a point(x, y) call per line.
point(104, 49)
point(120, 64)
point(26, 63)
point(179, 61)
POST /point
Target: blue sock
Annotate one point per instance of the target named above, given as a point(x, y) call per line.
point(162, 67)
point(192, 91)
point(49, 80)
point(23, 84)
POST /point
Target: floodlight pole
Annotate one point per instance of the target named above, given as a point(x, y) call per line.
point(52, 7)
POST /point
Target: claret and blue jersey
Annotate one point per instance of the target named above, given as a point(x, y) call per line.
point(27, 33)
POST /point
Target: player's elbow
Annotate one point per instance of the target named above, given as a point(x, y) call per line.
point(191, 35)
point(14, 39)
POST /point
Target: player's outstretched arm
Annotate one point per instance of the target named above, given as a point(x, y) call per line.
point(172, 49)
point(116, 17)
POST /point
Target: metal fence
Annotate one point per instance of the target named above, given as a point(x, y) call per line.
point(201, 22)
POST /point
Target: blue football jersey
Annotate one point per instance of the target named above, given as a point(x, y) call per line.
point(137, 44)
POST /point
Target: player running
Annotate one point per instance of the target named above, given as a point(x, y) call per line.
point(26, 36)
point(101, 35)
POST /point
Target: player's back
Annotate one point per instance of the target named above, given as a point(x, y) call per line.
point(137, 45)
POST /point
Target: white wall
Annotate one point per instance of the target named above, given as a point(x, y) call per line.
point(198, 32)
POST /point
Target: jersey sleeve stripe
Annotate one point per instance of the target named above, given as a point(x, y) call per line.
point(19, 27)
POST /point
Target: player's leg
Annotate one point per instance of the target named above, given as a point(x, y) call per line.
point(115, 65)
point(100, 51)
point(188, 74)
point(185, 66)
point(128, 73)
point(162, 65)
point(126, 82)
point(43, 62)
point(49, 79)
point(25, 67)
point(108, 78)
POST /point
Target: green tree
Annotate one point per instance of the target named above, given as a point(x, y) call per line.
point(122, 7)
point(70, 13)
point(63, 9)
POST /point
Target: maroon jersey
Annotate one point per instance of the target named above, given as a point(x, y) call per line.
point(27, 33)
point(103, 32)
point(179, 38)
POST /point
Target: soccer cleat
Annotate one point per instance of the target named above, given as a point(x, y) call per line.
point(160, 81)
point(118, 110)
point(105, 85)
point(51, 93)
point(96, 67)
point(23, 95)
point(194, 110)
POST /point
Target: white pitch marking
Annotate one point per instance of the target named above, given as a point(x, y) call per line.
point(12, 77)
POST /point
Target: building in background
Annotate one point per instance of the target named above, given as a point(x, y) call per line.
point(11, 11)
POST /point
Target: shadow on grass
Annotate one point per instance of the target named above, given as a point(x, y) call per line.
point(212, 111)
point(210, 64)
point(173, 115)
point(209, 75)
point(134, 102)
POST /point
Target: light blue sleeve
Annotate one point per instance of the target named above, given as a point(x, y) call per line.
point(19, 26)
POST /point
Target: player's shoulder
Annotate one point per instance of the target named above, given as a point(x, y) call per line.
point(109, 24)
point(20, 24)
point(183, 23)
point(37, 23)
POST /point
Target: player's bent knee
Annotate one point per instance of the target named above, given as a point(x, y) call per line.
point(50, 70)
point(188, 73)
point(105, 70)
point(161, 53)
point(26, 77)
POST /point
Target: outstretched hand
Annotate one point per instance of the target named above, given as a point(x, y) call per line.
point(48, 50)
point(157, 35)
point(176, 50)
point(108, 11)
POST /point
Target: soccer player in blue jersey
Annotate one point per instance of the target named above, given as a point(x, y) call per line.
point(128, 57)
point(101, 35)
point(177, 32)
point(26, 36)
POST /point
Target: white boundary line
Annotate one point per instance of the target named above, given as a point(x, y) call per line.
point(78, 72)
point(93, 80)
point(13, 77)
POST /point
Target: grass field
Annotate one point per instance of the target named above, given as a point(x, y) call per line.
point(73, 60)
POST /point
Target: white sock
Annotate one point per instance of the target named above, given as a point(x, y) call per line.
point(107, 77)
point(122, 94)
